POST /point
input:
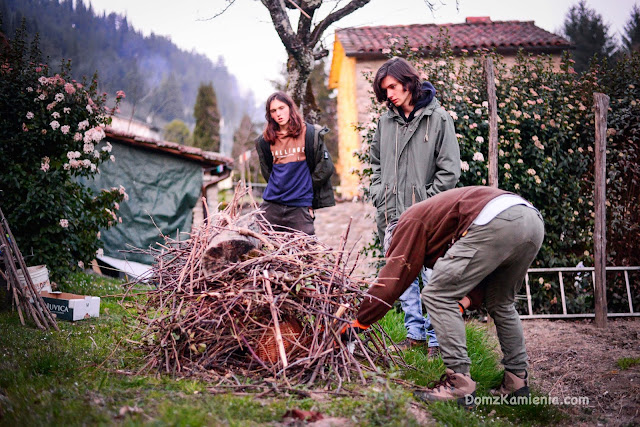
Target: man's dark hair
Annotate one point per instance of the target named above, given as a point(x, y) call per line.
point(401, 70)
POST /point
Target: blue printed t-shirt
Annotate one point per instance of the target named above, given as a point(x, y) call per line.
point(290, 180)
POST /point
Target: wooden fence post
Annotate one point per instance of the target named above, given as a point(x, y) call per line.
point(601, 105)
point(493, 122)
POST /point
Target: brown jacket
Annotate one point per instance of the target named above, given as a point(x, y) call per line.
point(424, 233)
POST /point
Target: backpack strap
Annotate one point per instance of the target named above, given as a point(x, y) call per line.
point(266, 152)
point(309, 151)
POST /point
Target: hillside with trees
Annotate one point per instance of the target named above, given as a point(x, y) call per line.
point(160, 80)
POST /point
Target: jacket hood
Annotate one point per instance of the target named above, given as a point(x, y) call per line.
point(428, 93)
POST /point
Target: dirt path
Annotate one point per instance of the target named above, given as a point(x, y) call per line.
point(568, 358)
point(331, 223)
point(574, 358)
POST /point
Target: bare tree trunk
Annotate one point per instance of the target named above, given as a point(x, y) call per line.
point(493, 123)
point(301, 44)
point(601, 105)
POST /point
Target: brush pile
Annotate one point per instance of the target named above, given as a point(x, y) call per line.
point(241, 303)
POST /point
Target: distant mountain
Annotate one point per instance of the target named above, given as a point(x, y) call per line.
point(160, 80)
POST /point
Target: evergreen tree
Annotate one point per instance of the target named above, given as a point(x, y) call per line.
point(167, 101)
point(590, 35)
point(206, 134)
point(244, 140)
point(177, 131)
point(631, 38)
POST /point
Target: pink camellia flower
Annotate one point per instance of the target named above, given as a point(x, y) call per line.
point(89, 109)
point(65, 129)
point(29, 89)
point(59, 97)
point(64, 223)
point(38, 69)
point(120, 94)
point(54, 125)
point(77, 136)
point(66, 110)
point(29, 115)
point(88, 147)
point(69, 88)
point(55, 115)
point(51, 106)
point(478, 157)
point(44, 166)
point(83, 125)
point(43, 80)
point(25, 128)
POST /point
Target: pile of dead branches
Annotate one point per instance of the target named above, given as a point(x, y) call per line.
point(26, 298)
point(240, 303)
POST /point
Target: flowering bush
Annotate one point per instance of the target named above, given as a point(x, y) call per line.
point(49, 131)
point(546, 144)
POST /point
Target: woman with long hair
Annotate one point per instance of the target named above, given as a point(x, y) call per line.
point(296, 165)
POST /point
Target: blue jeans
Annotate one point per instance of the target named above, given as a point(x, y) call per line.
point(418, 326)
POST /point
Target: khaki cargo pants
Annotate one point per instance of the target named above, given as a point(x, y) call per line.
point(498, 254)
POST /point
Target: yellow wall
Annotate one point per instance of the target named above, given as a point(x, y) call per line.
point(348, 139)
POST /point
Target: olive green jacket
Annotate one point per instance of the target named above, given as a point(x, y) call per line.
point(412, 161)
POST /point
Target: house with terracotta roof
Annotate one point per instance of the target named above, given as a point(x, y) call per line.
point(165, 183)
point(361, 50)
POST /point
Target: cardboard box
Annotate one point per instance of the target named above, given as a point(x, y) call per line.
point(71, 306)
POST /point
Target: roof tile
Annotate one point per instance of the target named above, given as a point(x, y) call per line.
point(476, 33)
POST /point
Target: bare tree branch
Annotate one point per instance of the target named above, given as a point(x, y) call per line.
point(333, 17)
point(281, 23)
point(231, 2)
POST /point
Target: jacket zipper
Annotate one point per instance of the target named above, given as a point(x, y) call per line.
point(395, 184)
point(386, 215)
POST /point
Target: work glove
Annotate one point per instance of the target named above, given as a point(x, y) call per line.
point(350, 330)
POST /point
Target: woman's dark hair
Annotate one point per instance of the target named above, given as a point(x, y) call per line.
point(401, 70)
point(272, 127)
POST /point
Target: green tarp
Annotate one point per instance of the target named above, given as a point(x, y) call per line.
point(160, 186)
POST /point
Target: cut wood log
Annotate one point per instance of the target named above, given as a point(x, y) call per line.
point(228, 246)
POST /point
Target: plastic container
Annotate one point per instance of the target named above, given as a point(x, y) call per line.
point(39, 276)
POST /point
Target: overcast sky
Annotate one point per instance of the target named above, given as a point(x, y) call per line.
point(244, 35)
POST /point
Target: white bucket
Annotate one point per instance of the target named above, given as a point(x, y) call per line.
point(39, 276)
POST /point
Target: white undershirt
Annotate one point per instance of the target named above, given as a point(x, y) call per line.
point(498, 205)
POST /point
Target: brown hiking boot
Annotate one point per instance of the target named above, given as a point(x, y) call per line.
point(433, 352)
point(513, 385)
point(407, 344)
point(452, 386)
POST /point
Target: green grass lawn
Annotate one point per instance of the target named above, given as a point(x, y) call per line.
point(78, 377)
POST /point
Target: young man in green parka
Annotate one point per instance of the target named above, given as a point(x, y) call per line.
point(414, 155)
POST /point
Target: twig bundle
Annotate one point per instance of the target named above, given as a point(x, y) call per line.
point(26, 298)
point(273, 315)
